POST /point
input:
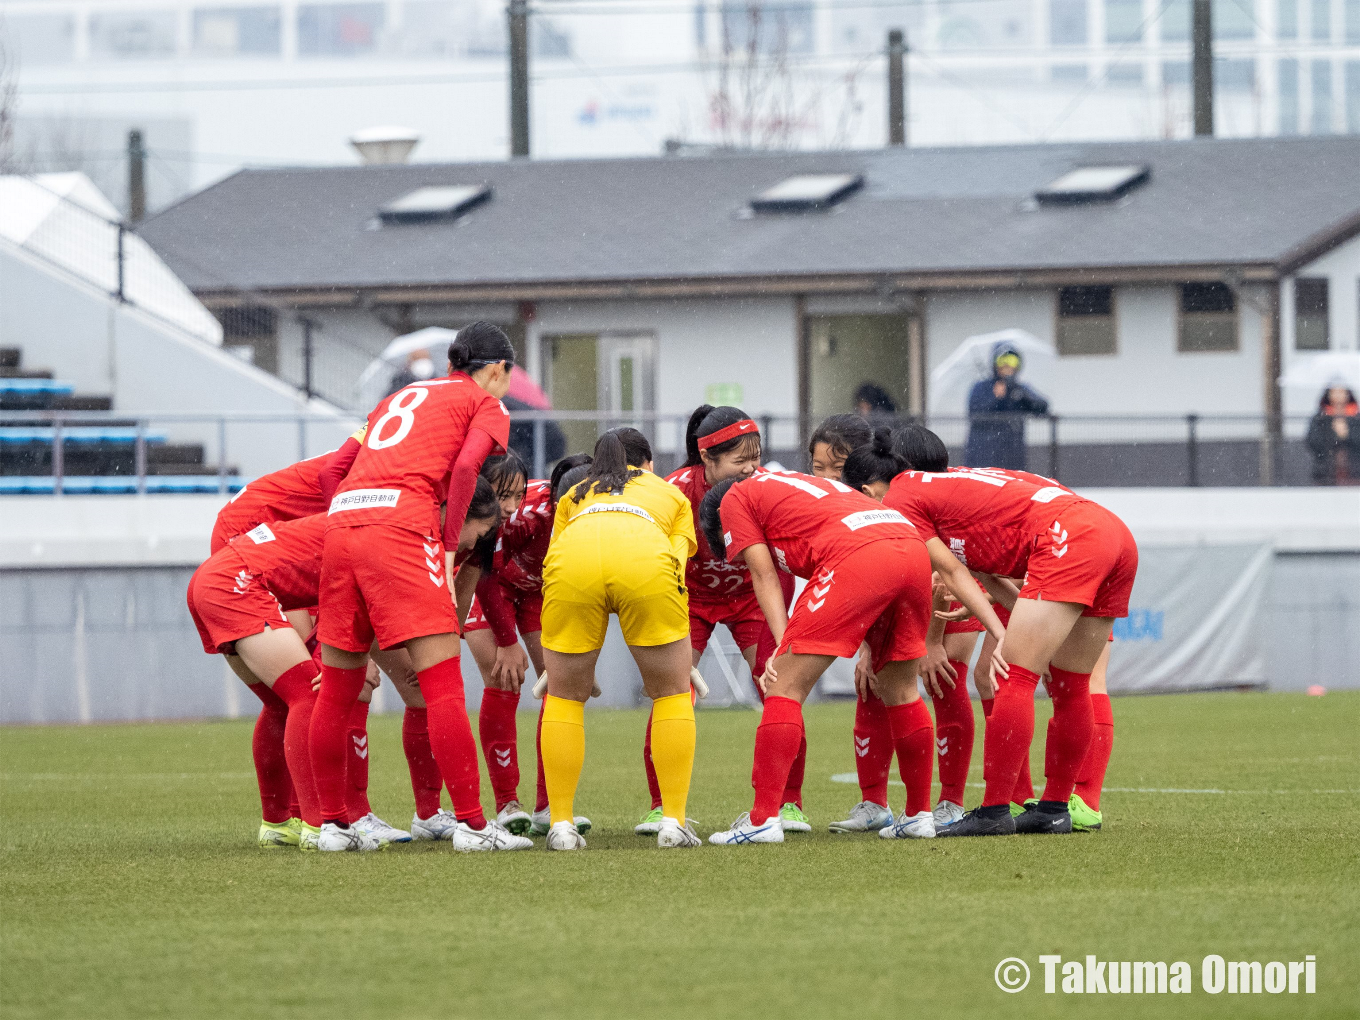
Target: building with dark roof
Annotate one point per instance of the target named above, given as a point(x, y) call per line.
point(1173, 277)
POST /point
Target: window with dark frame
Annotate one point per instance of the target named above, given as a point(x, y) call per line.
point(1310, 314)
point(1086, 324)
point(1208, 318)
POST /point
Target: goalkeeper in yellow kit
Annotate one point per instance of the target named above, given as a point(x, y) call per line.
point(619, 545)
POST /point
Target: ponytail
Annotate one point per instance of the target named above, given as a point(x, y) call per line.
point(479, 345)
point(710, 516)
point(708, 421)
point(558, 480)
point(618, 455)
point(875, 461)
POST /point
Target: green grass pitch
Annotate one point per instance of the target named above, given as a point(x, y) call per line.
point(132, 885)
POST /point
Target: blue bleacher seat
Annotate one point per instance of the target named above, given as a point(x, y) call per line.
point(53, 386)
point(76, 434)
point(86, 484)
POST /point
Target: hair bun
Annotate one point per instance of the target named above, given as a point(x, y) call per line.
point(459, 353)
point(882, 441)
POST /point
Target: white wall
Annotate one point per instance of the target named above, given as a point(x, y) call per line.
point(107, 348)
point(1341, 267)
point(1147, 375)
point(752, 342)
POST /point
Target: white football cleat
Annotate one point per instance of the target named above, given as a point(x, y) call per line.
point(335, 839)
point(515, 818)
point(439, 825)
point(947, 813)
point(672, 834)
point(917, 826)
point(866, 816)
point(380, 830)
point(742, 831)
point(494, 836)
point(564, 836)
point(542, 821)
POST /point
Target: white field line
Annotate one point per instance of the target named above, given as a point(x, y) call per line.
point(853, 779)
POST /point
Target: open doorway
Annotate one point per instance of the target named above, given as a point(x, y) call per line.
point(847, 351)
point(612, 373)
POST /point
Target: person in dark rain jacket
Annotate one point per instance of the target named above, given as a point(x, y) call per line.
point(996, 411)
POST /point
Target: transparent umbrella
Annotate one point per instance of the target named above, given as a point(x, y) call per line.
point(1314, 373)
point(377, 376)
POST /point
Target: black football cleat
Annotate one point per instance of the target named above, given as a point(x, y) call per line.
point(975, 823)
point(1039, 820)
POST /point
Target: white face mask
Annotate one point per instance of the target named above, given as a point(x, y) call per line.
point(421, 368)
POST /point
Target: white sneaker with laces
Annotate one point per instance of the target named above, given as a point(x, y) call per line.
point(917, 826)
point(494, 836)
point(743, 831)
point(439, 825)
point(515, 818)
point(672, 834)
point(564, 836)
point(380, 830)
point(335, 839)
point(947, 813)
point(866, 816)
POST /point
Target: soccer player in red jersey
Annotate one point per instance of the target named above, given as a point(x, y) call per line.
point(1079, 562)
point(238, 598)
point(509, 607)
point(384, 573)
point(869, 580)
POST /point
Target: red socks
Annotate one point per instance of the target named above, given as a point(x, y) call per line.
point(1092, 775)
point(873, 748)
point(356, 765)
point(793, 788)
point(954, 735)
point(271, 766)
point(1009, 732)
point(295, 688)
point(913, 741)
point(1070, 737)
point(778, 738)
point(451, 739)
point(340, 689)
point(496, 727)
point(541, 793)
point(426, 782)
point(653, 787)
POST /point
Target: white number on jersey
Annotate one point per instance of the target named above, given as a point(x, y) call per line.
point(403, 409)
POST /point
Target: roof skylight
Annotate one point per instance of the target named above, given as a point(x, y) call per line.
point(807, 192)
point(1093, 184)
point(435, 202)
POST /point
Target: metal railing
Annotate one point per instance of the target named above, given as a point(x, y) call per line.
point(1078, 450)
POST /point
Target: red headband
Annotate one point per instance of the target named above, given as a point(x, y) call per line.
point(738, 428)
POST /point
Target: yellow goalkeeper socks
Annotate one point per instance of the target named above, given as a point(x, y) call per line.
point(673, 739)
point(563, 746)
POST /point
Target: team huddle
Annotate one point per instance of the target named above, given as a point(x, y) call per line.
point(423, 530)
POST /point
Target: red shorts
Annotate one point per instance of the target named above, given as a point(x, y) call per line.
point(742, 617)
point(972, 625)
point(384, 582)
point(528, 614)
point(880, 594)
point(220, 537)
point(228, 603)
point(1087, 556)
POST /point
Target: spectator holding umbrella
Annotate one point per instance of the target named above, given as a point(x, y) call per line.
point(1334, 437)
point(996, 411)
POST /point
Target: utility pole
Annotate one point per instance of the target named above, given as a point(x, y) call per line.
point(897, 87)
point(136, 154)
point(518, 13)
point(1202, 49)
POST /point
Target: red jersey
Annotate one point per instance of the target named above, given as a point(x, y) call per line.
point(284, 495)
point(524, 539)
point(988, 517)
point(401, 473)
point(286, 555)
point(808, 523)
point(708, 576)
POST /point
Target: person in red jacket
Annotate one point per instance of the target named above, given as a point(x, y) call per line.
point(722, 443)
point(1079, 562)
point(385, 577)
point(869, 581)
point(508, 608)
